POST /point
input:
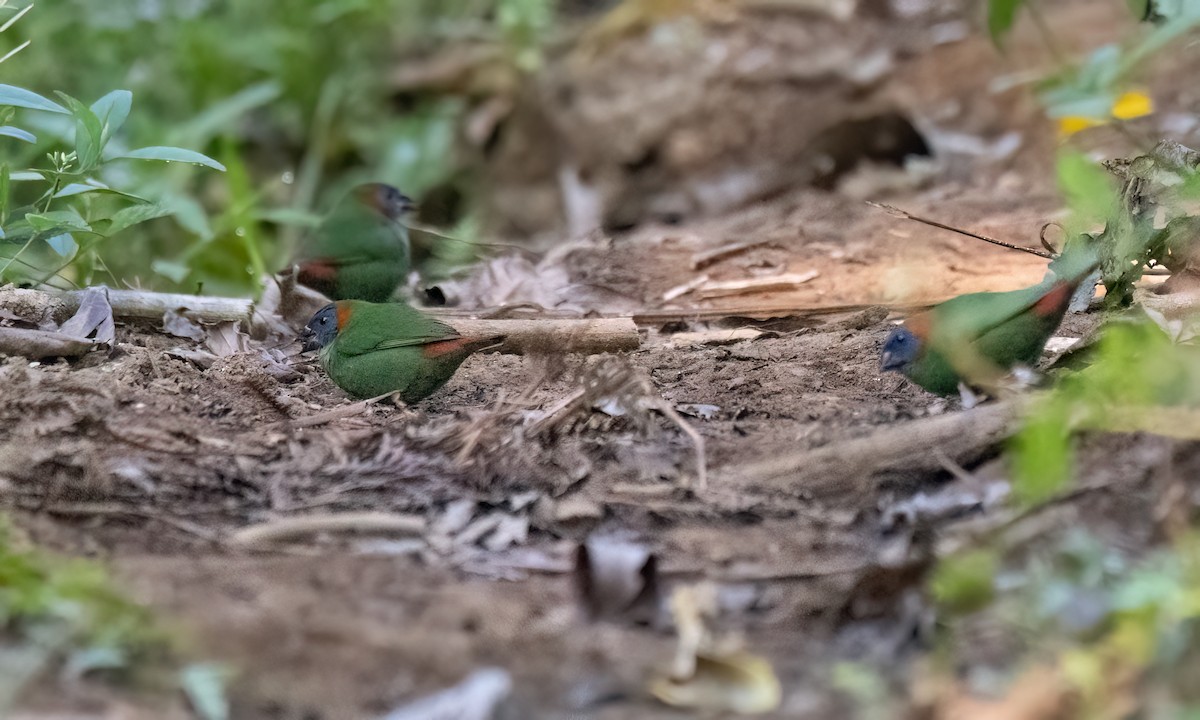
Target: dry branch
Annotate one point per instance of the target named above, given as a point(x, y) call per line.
point(292, 528)
point(849, 468)
point(152, 305)
point(588, 336)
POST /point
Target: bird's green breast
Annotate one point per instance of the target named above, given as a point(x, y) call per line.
point(403, 370)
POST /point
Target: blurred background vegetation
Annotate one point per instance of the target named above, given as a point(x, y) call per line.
point(298, 108)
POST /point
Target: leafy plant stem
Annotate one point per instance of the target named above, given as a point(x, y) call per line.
point(1048, 37)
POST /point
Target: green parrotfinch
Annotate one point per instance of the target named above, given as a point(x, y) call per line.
point(372, 349)
point(977, 339)
point(360, 251)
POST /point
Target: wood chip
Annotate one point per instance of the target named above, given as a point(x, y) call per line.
point(708, 257)
point(776, 283)
point(685, 288)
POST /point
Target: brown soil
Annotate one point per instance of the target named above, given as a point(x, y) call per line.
point(150, 463)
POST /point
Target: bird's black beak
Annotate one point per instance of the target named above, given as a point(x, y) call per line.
point(308, 340)
point(889, 362)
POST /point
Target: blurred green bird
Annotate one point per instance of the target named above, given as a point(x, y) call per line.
point(360, 251)
point(976, 339)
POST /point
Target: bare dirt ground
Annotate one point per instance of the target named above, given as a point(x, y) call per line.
point(153, 464)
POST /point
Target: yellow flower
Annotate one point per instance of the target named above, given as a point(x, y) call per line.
point(1131, 105)
point(1071, 124)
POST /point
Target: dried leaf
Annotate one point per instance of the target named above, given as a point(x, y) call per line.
point(478, 697)
point(617, 578)
point(180, 325)
point(200, 358)
point(738, 682)
point(226, 338)
point(94, 316)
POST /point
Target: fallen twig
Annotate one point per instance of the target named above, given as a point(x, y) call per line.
point(934, 223)
point(337, 413)
point(849, 468)
point(291, 528)
point(708, 257)
point(153, 305)
point(97, 509)
point(667, 409)
point(775, 283)
point(587, 336)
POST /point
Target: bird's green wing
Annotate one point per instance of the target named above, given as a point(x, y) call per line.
point(385, 326)
point(967, 317)
point(354, 234)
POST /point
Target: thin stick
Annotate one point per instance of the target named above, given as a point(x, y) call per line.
point(934, 223)
point(97, 509)
point(697, 442)
point(337, 413)
point(295, 527)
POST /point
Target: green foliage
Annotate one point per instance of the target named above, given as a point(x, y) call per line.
point(1092, 89)
point(69, 208)
point(1001, 15)
point(964, 582)
point(1099, 618)
point(298, 94)
point(1137, 372)
point(65, 611)
point(524, 23)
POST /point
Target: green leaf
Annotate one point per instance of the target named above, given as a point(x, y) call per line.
point(93, 185)
point(217, 118)
point(1088, 188)
point(18, 133)
point(1001, 16)
point(1042, 455)
point(135, 215)
point(204, 685)
point(172, 154)
point(3, 194)
point(176, 272)
point(56, 220)
point(113, 109)
point(965, 582)
point(27, 175)
point(63, 244)
point(22, 98)
point(89, 133)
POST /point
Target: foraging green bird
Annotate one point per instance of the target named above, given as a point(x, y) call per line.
point(372, 349)
point(978, 338)
point(360, 251)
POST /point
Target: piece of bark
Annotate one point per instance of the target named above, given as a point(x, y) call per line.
point(587, 336)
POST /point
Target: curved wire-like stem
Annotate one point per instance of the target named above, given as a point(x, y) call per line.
point(942, 226)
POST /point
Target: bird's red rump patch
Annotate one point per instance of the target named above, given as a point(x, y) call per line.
point(344, 311)
point(1055, 301)
point(445, 347)
point(318, 270)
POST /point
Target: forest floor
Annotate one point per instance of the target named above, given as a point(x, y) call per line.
point(153, 464)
